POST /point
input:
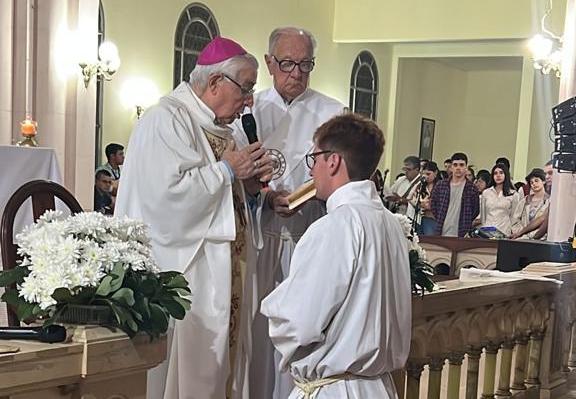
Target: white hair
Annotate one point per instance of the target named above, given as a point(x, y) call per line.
point(290, 30)
point(201, 73)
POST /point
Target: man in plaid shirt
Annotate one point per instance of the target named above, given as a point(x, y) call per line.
point(455, 202)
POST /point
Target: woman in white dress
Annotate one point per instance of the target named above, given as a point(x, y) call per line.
point(498, 202)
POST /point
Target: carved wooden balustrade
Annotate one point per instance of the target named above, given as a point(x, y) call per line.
point(492, 339)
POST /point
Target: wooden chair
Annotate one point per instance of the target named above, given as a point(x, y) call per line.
point(42, 193)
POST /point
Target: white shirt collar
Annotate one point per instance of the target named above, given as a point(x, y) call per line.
point(356, 192)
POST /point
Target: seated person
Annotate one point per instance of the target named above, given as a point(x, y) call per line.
point(533, 205)
point(115, 156)
point(103, 200)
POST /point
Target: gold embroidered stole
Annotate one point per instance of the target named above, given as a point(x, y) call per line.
point(238, 249)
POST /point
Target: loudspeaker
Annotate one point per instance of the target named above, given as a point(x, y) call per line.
point(565, 144)
point(564, 162)
point(564, 110)
point(566, 126)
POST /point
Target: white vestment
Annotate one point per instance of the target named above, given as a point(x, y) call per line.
point(346, 305)
point(172, 181)
point(288, 128)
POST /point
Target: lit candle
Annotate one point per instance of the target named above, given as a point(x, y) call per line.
point(28, 127)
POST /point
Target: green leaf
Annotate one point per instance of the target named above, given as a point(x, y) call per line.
point(148, 287)
point(159, 318)
point(25, 311)
point(105, 286)
point(180, 291)
point(175, 309)
point(177, 282)
point(11, 297)
point(167, 276)
point(143, 307)
point(13, 276)
point(62, 295)
point(185, 303)
point(117, 273)
point(124, 296)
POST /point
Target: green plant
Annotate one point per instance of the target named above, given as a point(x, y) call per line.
point(139, 301)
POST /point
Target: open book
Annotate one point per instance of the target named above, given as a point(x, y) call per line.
point(302, 194)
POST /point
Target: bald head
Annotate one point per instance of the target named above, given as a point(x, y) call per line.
point(291, 31)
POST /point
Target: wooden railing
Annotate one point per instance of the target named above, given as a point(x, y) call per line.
point(492, 339)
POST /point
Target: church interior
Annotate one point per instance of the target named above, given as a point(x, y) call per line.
point(437, 76)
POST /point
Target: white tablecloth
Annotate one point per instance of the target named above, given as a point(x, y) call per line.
point(19, 165)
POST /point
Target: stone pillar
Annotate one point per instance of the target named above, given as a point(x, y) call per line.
point(489, 371)
point(505, 369)
point(435, 377)
point(454, 367)
point(472, 373)
point(534, 358)
point(413, 372)
point(520, 363)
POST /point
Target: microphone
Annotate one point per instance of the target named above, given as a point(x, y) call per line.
point(249, 126)
point(50, 334)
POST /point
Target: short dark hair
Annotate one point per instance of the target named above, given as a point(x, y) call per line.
point(459, 156)
point(536, 172)
point(504, 161)
point(484, 175)
point(448, 160)
point(413, 160)
point(357, 139)
point(112, 149)
point(102, 172)
point(549, 163)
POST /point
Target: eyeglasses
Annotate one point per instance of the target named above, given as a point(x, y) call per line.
point(305, 66)
point(311, 158)
point(245, 92)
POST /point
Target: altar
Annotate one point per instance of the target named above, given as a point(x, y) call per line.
point(96, 363)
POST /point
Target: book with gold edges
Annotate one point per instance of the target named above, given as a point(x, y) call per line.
point(302, 194)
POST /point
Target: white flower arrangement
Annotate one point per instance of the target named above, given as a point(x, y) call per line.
point(420, 269)
point(99, 259)
point(78, 251)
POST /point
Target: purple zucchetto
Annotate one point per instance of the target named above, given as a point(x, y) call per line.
point(218, 50)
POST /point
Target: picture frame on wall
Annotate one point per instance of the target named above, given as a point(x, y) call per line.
point(427, 127)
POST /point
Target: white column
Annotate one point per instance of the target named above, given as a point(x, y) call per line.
point(562, 209)
point(6, 71)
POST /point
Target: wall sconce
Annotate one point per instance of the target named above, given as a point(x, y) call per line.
point(546, 48)
point(107, 64)
point(139, 93)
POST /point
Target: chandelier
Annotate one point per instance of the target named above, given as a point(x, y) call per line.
point(546, 48)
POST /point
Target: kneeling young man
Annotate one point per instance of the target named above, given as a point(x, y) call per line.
point(342, 319)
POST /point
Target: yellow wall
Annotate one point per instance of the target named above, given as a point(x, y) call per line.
point(440, 20)
point(144, 34)
point(475, 110)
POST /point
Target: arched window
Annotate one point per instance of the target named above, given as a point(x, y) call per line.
point(99, 93)
point(196, 28)
point(364, 85)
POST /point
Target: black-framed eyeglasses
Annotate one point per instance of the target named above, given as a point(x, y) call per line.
point(305, 66)
point(311, 158)
point(245, 92)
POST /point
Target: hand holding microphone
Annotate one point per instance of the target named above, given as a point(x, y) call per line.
point(263, 163)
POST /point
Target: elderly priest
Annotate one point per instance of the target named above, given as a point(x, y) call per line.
point(342, 318)
point(184, 178)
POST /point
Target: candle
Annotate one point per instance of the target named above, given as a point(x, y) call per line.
point(28, 127)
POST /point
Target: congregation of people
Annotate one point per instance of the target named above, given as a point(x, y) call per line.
point(456, 201)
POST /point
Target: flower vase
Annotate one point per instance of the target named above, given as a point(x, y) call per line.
point(85, 314)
